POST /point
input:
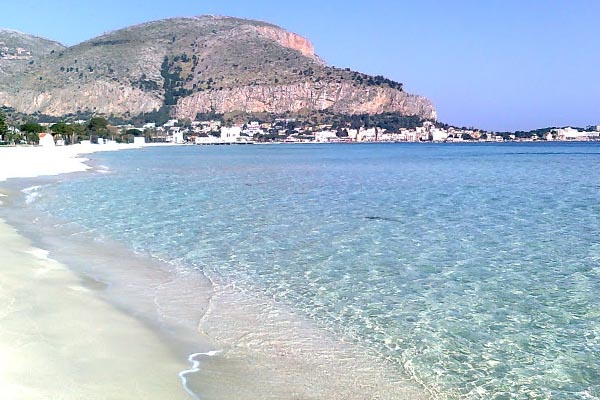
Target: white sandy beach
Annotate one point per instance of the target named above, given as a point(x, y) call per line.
point(29, 162)
point(58, 338)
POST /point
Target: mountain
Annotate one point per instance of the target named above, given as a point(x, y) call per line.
point(20, 50)
point(196, 65)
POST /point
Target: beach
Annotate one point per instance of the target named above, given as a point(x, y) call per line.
point(58, 337)
point(90, 319)
point(34, 161)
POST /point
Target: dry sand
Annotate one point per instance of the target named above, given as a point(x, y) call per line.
point(28, 162)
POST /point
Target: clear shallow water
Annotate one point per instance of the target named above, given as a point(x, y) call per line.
point(473, 268)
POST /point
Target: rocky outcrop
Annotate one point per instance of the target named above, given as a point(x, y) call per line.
point(289, 39)
point(341, 98)
point(102, 97)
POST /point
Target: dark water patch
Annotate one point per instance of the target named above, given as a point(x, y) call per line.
point(377, 218)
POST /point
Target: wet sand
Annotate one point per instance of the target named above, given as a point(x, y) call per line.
point(59, 340)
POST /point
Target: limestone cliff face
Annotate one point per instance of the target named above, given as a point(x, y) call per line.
point(289, 39)
point(339, 97)
point(101, 97)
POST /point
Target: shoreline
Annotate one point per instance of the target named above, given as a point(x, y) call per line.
point(36, 161)
point(123, 352)
point(60, 339)
point(265, 350)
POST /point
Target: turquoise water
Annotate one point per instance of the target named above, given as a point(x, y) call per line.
point(475, 269)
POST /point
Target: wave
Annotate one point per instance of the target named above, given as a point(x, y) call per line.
point(195, 368)
point(32, 193)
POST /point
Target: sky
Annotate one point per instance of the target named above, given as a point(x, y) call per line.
point(495, 65)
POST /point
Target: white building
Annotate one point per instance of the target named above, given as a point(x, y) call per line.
point(206, 140)
point(210, 126)
point(367, 135)
point(230, 135)
point(569, 133)
point(407, 135)
point(46, 140)
point(253, 128)
point(422, 133)
point(438, 135)
point(389, 137)
point(139, 140)
point(178, 137)
point(171, 123)
point(325, 136)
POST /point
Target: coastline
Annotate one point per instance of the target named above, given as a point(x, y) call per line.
point(261, 354)
point(59, 336)
point(37, 161)
point(59, 339)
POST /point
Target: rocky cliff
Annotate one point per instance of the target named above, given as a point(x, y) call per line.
point(101, 97)
point(194, 65)
point(290, 40)
point(342, 98)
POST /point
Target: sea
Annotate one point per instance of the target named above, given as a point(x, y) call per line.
point(472, 270)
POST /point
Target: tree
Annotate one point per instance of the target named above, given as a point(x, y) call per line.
point(79, 133)
point(123, 137)
point(134, 132)
point(64, 130)
point(32, 131)
point(342, 133)
point(97, 127)
point(31, 127)
point(13, 136)
point(3, 128)
point(148, 134)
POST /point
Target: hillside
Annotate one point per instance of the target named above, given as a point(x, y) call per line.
point(20, 51)
point(198, 65)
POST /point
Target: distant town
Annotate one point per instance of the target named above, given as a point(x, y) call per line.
point(97, 130)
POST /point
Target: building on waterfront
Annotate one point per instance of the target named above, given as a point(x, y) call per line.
point(367, 135)
point(230, 135)
point(438, 135)
point(253, 128)
point(178, 137)
point(325, 136)
point(569, 133)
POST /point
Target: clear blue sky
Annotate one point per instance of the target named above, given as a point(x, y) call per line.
point(497, 65)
